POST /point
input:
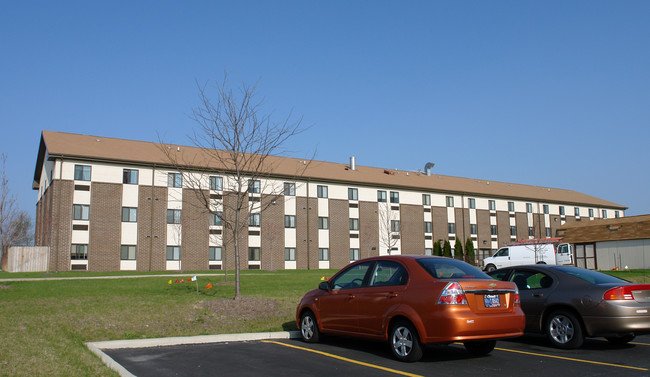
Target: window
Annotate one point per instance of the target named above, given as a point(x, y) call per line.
point(173, 253)
point(323, 223)
point(577, 211)
point(428, 251)
point(604, 214)
point(129, 214)
point(80, 212)
point(79, 252)
point(451, 228)
point(254, 186)
point(351, 277)
point(546, 209)
point(82, 173)
point(321, 191)
point(130, 176)
point(216, 183)
point(353, 194)
point(471, 203)
point(173, 216)
point(513, 231)
point(428, 228)
point(289, 253)
point(531, 231)
point(174, 180)
point(381, 196)
point(215, 219)
point(562, 210)
point(547, 231)
point(394, 225)
point(511, 206)
point(426, 199)
point(127, 252)
point(492, 206)
point(254, 220)
point(394, 197)
point(493, 230)
point(214, 253)
point(354, 255)
point(289, 221)
point(289, 189)
point(616, 214)
point(450, 201)
point(387, 273)
point(529, 208)
point(354, 224)
point(254, 254)
point(323, 254)
point(591, 212)
point(472, 229)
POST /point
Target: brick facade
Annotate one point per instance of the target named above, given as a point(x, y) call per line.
point(104, 228)
point(412, 229)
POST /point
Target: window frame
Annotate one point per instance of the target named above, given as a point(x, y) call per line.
point(289, 189)
point(353, 194)
point(323, 223)
point(394, 197)
point(323, 254)
point(426, 199)
point(212, 253)
point(354, 223)
point(176, 216)
point(216, 183)
point(382, 196)
point(76, 254)
point(128, 175)
point(289, 254)
point(82, 172)
point(129, 255)
point(81, 212)
point(129, 211)
point(290, 221)
point(175, 254)
point(255, 220)
point(255, 254)
point(321, 191)
point(254, 186)
point(175, 180)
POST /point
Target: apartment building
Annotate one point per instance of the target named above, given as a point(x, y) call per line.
point(108, 204)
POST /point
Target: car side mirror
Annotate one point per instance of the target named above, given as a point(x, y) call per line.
point(324, 286)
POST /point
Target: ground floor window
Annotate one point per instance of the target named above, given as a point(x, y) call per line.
point(254, 254)
point(127, 252)
point(289, 253)
point(354, 254)
point(79, 252)
point(173, 253)
point(323, 254)
point(215, 253)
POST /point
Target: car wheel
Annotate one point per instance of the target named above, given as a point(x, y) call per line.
point(490, 268)
point(481, 348)
point(541, 262)
point(621, 339)
point(564, 330)
point(309, 327)
point(404, 342)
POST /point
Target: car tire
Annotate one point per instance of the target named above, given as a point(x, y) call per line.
point(309, 327)
point(621, 339)
point(480, 348)
point(564, 330)
point(490, 268)
point(405, 342)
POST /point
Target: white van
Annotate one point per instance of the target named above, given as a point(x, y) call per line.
point(528, 254)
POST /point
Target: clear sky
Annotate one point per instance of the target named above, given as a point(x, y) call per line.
point(548, 93)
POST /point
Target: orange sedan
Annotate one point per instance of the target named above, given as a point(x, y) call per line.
point(411, 300)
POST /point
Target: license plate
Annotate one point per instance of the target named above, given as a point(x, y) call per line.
point(491, 301)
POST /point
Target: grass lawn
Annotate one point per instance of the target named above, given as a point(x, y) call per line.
point(45, 323)
point(635, 276)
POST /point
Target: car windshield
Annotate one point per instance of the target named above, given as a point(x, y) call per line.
point(446, 268)
point(593, 277)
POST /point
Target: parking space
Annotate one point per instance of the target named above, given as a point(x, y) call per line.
point(528, 356)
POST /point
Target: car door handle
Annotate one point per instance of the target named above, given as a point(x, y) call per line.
point(351, 297)
point(391, 295)
point(538, 295)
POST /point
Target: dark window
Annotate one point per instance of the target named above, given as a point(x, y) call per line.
point(472, 229)
point(354, 254)
point(289, 189)
point(451, 228)
point(394, 225)
point(426, 199)
point(215, 219)
point(79, 252)
point(254, 254)
point(493, 230)
point(321, 191)
point(289, 221)
point(289, 254)
point(394, 197)
point(323, 223)
point(254, 186)
point(127, 252)
point(216, 183)
point(354, 224)
point(323, 254)
point(511, 206)
point(471, 203)
point(175, 180)
point(546, 209)
point(254, 220)
point(130, 176)
point(353, 194)
point(381, 196)
point(214, 253)
point(450, 201)
point(428, 228)
point(173, 253)
point(492, 206)
point(173, 216)
point(82, 173)
point(129, 214)
point(80, 212)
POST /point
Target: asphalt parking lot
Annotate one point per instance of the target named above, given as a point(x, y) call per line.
point(527, 356)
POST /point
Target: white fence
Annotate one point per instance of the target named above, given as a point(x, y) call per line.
point(25, 259)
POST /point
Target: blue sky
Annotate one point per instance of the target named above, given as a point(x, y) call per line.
point(548, 93)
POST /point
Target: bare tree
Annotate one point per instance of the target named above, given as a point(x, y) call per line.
point(15, 224)
point(237, 140)
point(388, 227)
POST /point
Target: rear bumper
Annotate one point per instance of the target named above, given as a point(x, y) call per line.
point(604, 326)
point(456, 328)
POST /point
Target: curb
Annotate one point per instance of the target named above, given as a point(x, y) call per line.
point(98, 347)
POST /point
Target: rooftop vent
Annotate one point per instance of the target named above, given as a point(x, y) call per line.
point(353, 163)
point(427, 167)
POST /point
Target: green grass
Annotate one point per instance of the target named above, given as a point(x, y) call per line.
point(635, 276)
point(45, 323)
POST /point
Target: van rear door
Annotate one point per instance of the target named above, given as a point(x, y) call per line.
point(564, 254)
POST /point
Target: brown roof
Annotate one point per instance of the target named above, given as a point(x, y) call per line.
point(75, 146)
point(617, 229)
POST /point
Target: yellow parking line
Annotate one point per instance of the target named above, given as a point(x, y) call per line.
point(344, 359)
point(570, 359)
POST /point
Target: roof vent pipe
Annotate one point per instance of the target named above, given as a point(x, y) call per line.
point(353, 163)
point(427, 167)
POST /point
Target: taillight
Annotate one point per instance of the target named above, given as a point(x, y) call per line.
point(517, 296)
point(453, 294)
point(625, 292)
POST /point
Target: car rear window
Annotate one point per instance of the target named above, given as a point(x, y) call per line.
point(594, 277)
point(447, 268)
